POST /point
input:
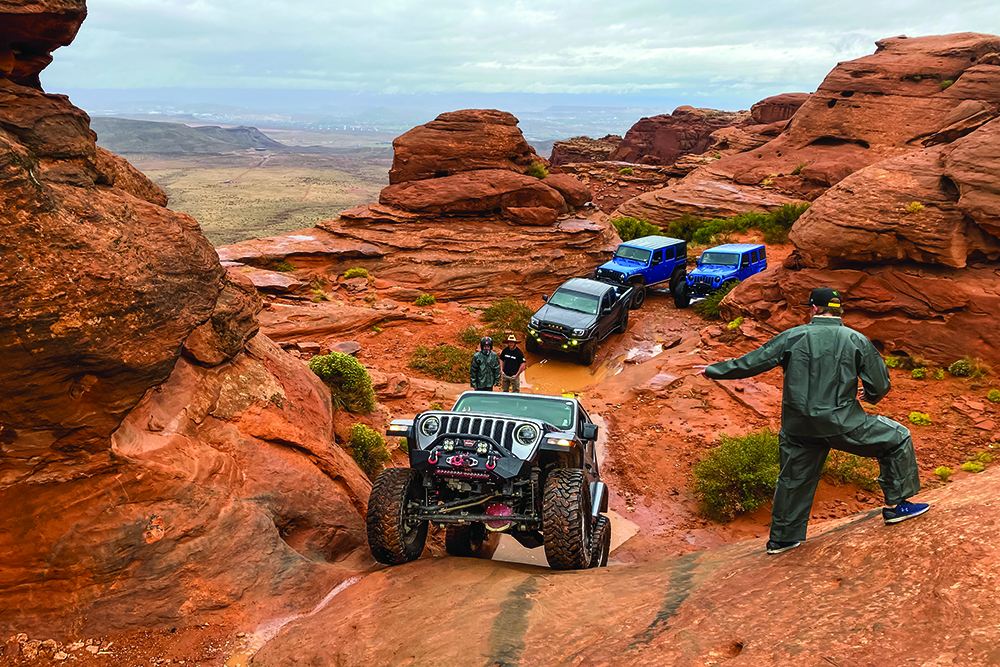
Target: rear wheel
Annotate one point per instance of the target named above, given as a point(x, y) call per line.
point(470, 541)
point(681, 297)
point(393, 536)
point(566, 524)
point(639, 296)
point(601, 543)
point(530, 344)
point(588, 352)
point(623, 323)
point(679, 278)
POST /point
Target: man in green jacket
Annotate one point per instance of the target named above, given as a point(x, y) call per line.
point(820, 410)
point(484, 371)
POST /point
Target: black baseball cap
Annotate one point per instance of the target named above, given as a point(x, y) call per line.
point(824, 297)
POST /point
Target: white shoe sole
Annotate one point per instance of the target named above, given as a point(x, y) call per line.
point(906, 516)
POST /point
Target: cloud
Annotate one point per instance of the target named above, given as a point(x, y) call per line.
point(569, 46)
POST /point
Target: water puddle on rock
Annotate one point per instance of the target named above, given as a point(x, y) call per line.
point(558, 376)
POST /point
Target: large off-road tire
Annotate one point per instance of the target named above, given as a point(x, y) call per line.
point(566, 522)
point(600, 542)
point(530, 344)
point(681, 297)
point(638, 297)
point(623, 322)
point(588, 352)
point(470, 540)
point(393, 538)
point(677, 279)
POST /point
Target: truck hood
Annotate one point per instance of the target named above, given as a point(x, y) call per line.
point(567, 318)
point(623, 265)
point(713, 270)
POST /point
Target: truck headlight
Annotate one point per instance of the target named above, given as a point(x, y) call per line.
point(716, 279)
point(526, 434)
point(561, 442)
point(430, 426)
point(533, 323)
point(579, 332)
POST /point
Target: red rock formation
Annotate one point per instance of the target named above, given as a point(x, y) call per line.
point(662, 139)
point(584, 149)
point(866, 110)
point(912, 242)
point(776, 108)
point(140, 487)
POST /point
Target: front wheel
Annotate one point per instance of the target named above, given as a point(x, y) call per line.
point(681, 297)
point(623, 323)
point(394, 537)
point(566, 526)
point(530, 344)
point(639, 296)
point(588, 352)
point(470, 541)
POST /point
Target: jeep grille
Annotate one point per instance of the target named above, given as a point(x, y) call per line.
point(705, 280)
point(501, 430)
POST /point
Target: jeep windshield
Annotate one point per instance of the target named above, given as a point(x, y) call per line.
point(570, 300)
point(635, 254)
point(720, 259)
point(555, 411)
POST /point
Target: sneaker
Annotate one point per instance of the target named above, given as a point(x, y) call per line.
point(780, 547)
point(903, 511)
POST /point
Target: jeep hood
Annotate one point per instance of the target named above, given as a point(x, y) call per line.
point(713, 270)
point(624, 265)
point(567, 318)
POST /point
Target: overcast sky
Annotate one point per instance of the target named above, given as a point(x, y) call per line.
point(703, 51)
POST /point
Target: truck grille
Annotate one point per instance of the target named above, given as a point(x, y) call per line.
point(702, 280)
point(608, 274)
point(501, 430)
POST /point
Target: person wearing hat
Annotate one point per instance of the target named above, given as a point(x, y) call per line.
point(512, 364)
point(484, 370)
point(820, 410)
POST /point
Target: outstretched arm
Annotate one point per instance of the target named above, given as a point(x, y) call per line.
point(764, 358)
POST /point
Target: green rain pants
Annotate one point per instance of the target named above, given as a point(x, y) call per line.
point(802, 460)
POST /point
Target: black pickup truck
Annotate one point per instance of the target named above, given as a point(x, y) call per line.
point(579, 315)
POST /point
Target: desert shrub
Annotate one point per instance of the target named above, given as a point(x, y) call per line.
point(946, 83)
point(918, 373)
point(774, 226)
point(914, 207)
point(684, 227)
point(891, 361)
point(506, 315)
point(630, 228)
point(368, 450)
point(738, 475)
point(626, 171)
point(973, 466)
point(356, 272)
point(404, 444)
point(993, 396)
point(376, 329)
point(537, 169)
point(984, 457)
point(857, 470)
point(779, 222)
point(470, 335)
point(350, 384)
point(284, 265)
point(920, 418)
point(798, 168)
point(318, 293)
point(939, 374)
point(944, 472)
point(444, 362)
point(435, 406)
point(968, 367)
point(425, 300)
point(735, 324)
point(709, 306)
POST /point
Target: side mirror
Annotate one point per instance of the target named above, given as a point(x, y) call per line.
point(545, 297)
point(589, 432)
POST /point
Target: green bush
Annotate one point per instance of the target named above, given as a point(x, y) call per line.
point(920, 418)
point(738, 475)
point(470, 335)
point(735, 324)
point(508, 315)
point(914, 207)
point(630, 228)
point(857, 470)
point(939, 374)
point(350, 384)
point(626, 171)
point(537, 169)
point(798, 168)
point(425, 300)
point(944, 472)
point(684, 227)
point(435, 406)
point(778, 223)
point(973, 466)
point(368, 450)
point(709, 306)
point(318, 293)
point(993, 396)
point(774, 226)
point(284, 265)
point(984, 457)
point(404, 444)
point(891, 361)
point(444, 362)
point(946, 83)
point(918, 373)
point(356, 273)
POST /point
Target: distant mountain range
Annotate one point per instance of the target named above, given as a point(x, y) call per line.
point(120, 135)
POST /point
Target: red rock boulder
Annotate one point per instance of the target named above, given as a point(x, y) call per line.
point(31, 31)
point(777, 108)
point(662, 139)
point(584, 149)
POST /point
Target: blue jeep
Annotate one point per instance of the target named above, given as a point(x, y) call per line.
point(647, 261)
point(725, 265)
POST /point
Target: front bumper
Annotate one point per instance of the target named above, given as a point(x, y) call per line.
point(558, 341)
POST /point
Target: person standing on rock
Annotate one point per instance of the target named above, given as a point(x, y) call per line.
point(820, 410)
point(484, 371)
point(512, 364)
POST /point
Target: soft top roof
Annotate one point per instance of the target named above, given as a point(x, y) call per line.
point(653, 242)
point(735, 247)
point(585, 286)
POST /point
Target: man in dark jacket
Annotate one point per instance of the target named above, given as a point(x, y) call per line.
point(820, 410)
point(484, 371)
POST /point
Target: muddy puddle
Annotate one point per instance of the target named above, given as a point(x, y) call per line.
point(563, 374)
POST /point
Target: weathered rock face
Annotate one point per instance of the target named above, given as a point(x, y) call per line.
point(31, 31)
point(866, 110)
point(466, 140)
point(913, 242)
point(662, 139)
point(584, 149)
point(776, 108)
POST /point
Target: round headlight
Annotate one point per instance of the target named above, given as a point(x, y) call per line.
point(430, 426)
point(579, 332)
point(526, 434)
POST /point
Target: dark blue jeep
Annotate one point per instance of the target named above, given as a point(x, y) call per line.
point(648, 261)
point(725, 265)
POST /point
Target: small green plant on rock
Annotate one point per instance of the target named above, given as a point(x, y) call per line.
point(318, 293)
point(626, 171)
point(914, 207)
point(973, 466)
point(506, 315)
point(537, 170)
point(943, 472)
point(444, 362)
point(356, 272)
point(920, 418)
point(918, 373)
point(798, 168)
point(738, 475)
point(946, 83)
point(939, 374)
point(470, 335)
point(984, 457)
point(709, 306)
point(993, 396)
point(425, 300)
point(860, 471)
point(350, 384)
point(735, 324)
point(285, 266)
point(368, 450)
point(891, 361)
point(630, 228)
point(435, 406)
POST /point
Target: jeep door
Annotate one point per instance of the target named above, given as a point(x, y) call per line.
point(658, 267)
point(605, 322)
point(761, 260)
point(745, 270)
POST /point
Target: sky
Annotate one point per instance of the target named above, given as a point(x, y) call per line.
point(713, 54)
